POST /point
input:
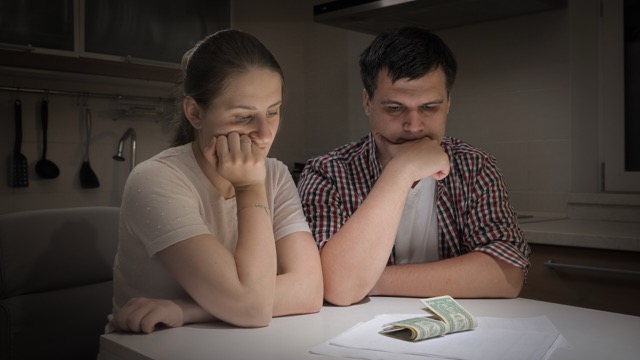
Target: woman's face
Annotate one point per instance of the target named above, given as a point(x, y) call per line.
point(249, 105)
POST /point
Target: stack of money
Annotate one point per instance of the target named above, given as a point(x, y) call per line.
point(445, 316)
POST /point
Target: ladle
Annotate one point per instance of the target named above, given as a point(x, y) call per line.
point(88, 178)
point(46, 168)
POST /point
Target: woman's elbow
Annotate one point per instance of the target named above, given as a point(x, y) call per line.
point(312, 296)
point(248, 312)
point(339, 296)
point(315, 302)
point(253, 318)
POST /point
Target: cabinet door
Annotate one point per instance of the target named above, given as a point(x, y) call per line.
point(598, 279)
point(47, 24)
point(157, 30)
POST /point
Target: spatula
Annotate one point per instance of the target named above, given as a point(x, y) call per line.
point(18, 170)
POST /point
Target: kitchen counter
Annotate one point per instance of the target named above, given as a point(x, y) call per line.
point(610, 235)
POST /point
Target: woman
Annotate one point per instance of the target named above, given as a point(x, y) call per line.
point(211, 229)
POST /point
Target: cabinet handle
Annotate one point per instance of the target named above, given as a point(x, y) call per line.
point(554, 265)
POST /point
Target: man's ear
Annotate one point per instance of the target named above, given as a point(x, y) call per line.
point(366, 102)
point(449, 103)
point(192, 111)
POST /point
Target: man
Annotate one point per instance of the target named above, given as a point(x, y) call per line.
point(406, 211)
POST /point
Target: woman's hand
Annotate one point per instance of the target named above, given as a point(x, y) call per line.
point(146, 315)
point(236, 159)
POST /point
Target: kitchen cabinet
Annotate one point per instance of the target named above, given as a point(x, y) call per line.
point(601, 279)
point(136, 39)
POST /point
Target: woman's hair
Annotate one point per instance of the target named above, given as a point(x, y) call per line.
point(406, 53)
point(207, 67)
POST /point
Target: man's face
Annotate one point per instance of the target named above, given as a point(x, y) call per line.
point(407, 109)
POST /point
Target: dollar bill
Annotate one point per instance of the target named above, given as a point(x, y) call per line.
point(451, 312)
point(446, 316)
point(415, 329)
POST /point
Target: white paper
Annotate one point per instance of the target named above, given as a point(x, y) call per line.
point(494, 338)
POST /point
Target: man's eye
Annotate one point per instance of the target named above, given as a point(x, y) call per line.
point(244, 117)
point(429, 108)
point(394, 108)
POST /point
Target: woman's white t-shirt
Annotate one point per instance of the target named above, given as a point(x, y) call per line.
point(168, 199)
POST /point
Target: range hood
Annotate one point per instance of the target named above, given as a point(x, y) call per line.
point(376, 16)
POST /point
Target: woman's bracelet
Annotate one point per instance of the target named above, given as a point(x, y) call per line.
point(266, 209)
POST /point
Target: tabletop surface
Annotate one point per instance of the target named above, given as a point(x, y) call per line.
point(591, 334)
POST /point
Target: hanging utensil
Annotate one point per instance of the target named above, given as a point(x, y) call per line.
point(45, 168)
point(88, 178)
point(18, 170)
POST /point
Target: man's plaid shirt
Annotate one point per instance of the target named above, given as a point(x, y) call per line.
point(474, 213)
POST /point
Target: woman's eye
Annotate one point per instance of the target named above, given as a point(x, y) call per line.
point(244, 117)
point(272, 113)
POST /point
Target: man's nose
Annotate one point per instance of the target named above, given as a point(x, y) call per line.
point(412, 122)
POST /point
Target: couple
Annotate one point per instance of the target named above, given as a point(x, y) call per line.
point(212, 229)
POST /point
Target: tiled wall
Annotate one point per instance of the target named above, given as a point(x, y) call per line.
point(513, 99)
point(66, 136)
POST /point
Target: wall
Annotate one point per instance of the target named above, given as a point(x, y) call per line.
point(66, 124)
point(526, 92)
point(66, 136)
point(512, 99)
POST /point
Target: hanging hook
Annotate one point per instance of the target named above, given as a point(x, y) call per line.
point(82, 99)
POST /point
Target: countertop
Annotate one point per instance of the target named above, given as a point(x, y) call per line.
point(610, 235)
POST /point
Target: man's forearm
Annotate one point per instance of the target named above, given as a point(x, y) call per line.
point(355, 257)
point(473, 275)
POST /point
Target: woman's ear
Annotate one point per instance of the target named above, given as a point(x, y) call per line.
point(192, 111)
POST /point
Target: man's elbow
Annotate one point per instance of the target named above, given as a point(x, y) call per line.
point(514, 282)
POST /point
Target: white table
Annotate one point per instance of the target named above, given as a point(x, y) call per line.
point(592, 334)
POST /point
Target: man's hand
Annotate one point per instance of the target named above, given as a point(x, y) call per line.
point(419, 159)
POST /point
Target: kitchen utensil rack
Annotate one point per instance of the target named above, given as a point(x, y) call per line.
point(86, 94)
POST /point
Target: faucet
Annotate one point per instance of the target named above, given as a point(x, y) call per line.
point(118, 157)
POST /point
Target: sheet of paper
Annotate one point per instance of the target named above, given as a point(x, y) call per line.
point(494, 338)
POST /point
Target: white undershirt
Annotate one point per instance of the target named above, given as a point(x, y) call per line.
point(417, 237)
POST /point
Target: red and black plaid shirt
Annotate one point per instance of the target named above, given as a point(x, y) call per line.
point(474, 213)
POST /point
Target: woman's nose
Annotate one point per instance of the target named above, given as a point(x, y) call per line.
point(262, 131)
